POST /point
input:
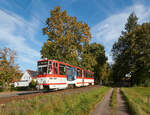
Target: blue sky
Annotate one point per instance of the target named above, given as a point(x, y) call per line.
point(21, 23)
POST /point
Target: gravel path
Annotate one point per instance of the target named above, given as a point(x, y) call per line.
point(103, 107)
point(121, 107)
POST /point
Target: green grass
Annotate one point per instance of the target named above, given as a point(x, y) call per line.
point(113, 101)
point(58, 104)
point(136, 99)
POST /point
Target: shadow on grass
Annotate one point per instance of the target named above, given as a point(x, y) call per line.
point(130, 108)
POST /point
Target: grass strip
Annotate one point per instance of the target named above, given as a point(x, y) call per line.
point(113, 101)
point(59, 104)
point(135, 101)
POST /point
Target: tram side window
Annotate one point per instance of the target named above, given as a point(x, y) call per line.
point(50, 68)
point(78, 72)
point(92, 75)
point(85, 74)
point(88, 75)
point(71, 73)
point(42, 67)
point(62, 69)
point(69, 70)
point(55, 66)
point(42, 70)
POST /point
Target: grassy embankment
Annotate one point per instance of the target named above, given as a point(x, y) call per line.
point(137, 100)
point(58, 104)
point(113, 101)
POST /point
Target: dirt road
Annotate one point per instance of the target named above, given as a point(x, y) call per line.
point(121, 106)
point(103, 107)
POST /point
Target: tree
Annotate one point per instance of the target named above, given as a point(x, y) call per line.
point(68, 41)
point(131, 23)
point(140, 47)
point(122, 51)
point(67, 37)
point(105, 73)
point(132, 52)
point(9, 71)
point(94, 59)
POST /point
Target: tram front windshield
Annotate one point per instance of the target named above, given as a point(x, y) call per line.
point(42, 67)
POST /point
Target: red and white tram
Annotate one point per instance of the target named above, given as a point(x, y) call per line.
point(58, 75)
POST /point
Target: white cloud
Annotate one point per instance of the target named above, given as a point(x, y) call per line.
point(32, 28)
point(12, 32)
point(108, 30)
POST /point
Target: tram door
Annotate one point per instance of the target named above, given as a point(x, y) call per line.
point(71, 73)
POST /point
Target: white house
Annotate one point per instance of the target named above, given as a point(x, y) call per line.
point(26, 78)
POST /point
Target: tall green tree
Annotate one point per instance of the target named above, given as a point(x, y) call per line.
point(94, 59)
point(140, 47)
point(132, 52)
point(67, 37)
point(131, 23)
point(122, 51)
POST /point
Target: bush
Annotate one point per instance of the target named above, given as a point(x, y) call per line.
point(1, 89)
point(147, 83)
point(33, 84)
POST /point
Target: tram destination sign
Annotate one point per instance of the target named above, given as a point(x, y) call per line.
point(42, 63)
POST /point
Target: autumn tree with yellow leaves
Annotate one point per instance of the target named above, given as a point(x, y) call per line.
point(9, 70)
point(67, 37)
point(68, 41)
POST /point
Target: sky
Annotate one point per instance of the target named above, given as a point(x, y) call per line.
point(21, 23)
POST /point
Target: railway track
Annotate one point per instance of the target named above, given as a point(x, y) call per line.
point(4, 98)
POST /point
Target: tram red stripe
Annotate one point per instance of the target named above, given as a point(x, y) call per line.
point(53, 84)
point(84, 78)
point(61, 76)
point(79, 77)
point(89, 78)
point(84, 82)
